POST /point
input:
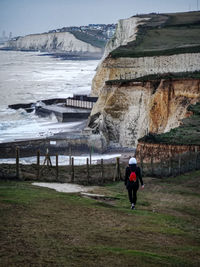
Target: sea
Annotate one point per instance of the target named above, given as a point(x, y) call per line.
point(27, 77)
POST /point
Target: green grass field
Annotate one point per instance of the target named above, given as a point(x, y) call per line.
point(41, 227)
point(176, 33)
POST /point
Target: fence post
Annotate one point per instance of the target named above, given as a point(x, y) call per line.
point(70, 155)
point(38, 164)
point(88, 170)
point(179, 164)
point(56, 166)
point(161, 165)
point(188, 160)
point(117, 170)
point(17, 162)
point(152, 166)
point(47, 158)
point(196, 158)
point(102, 172)
point(72, 169)
point(170, 161)
point(90, 155)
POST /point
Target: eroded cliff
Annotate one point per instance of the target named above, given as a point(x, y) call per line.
point(145, 46)
point(131, 68)
point(150, 44)
point(126, 111)
point(147, 151)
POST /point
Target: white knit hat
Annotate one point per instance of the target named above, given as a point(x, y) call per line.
point(132, 161)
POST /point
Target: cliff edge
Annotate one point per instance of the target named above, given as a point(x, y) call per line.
point(58, 42)
point(148, 77)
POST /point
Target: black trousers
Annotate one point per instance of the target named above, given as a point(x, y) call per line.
point(132, 194)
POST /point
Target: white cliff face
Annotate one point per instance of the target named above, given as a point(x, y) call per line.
point(126, 112)
point(59, 42)
point(123, 113)
point(131, 68)
point(125, 33)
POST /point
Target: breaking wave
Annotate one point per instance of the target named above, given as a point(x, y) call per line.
point(28, 78)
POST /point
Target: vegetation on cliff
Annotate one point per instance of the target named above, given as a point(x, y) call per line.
point(157, 78)
point(41, 227)
point(188, 133)
point(92, 39)
point(164, 34)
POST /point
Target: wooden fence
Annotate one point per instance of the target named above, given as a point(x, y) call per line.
point(171, 165)
point(84, 174)
point(98, 173)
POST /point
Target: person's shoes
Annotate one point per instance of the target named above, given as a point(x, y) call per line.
point(132, 206)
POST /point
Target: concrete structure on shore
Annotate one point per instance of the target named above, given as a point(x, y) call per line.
point(76, 142)
point(76, 108)
point(62, 113)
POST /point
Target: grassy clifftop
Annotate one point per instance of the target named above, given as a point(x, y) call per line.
point(164, 34)
point(90, 38)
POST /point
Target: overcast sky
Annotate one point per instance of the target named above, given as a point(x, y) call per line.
point(23, 17)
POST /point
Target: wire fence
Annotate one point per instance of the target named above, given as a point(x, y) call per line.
point(89, 173)
point(171, 165)
point(99, 173)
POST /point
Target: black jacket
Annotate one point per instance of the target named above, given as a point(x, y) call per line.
point(129, 169)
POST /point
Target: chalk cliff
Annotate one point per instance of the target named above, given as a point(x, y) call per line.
point(131, 68)
point(150, 44)
point(52, 42)
point(126, 32)
point(127, 109)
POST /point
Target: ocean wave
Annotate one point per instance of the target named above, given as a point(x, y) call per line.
point(63, 160)
point(28, 78)
point(8, 114)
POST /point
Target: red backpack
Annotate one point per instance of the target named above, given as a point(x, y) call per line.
point(132, 177)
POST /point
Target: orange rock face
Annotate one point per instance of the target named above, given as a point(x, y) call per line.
point(168, 104)
point(159, 152)
point(129, 110)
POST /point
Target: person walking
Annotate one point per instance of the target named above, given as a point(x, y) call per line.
point(132, 177)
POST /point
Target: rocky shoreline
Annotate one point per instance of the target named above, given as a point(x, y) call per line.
point(61, 55)
point(74, 56)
